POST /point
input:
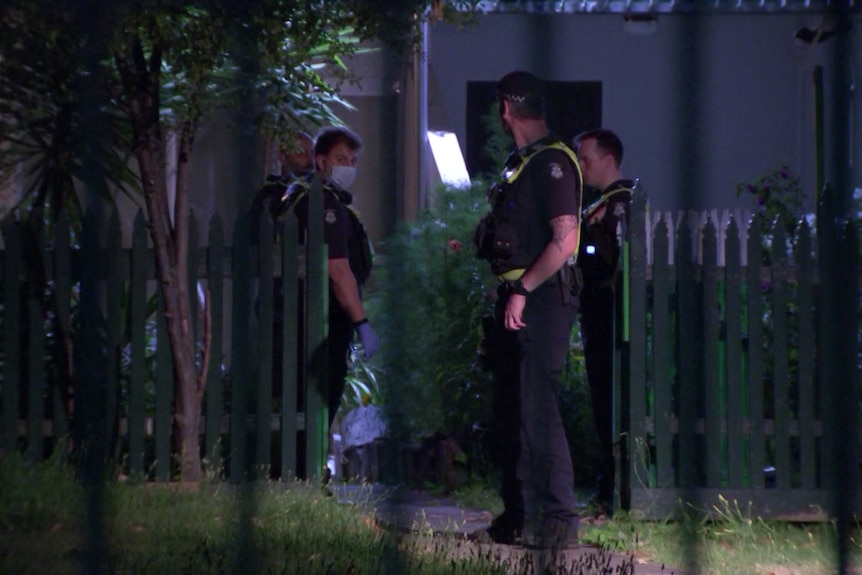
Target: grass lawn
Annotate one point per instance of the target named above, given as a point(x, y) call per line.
point(271, 528)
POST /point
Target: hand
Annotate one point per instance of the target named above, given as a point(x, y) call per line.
point(514, 310)
point(369, 340)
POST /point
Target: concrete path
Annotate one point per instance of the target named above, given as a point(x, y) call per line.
point(447, 525)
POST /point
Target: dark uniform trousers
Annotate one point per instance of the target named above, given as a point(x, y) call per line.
point(597, 312)
point(527, 364)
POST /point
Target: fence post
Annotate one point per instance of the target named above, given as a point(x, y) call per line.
point(265, 320)
point(137, 347)
point(733, 365)
point(215, 287)
point(317, 300)
point(634, 335)
point(806, 349)
point(780, 372)
point(289, 346)
point(114, 290)
point(662, 357)
point(239, 347)
point(11, 329)
point(688, 336)
point(62, 278)
point(711, 383)
point(756, 400)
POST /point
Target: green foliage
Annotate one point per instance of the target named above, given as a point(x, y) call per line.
point(576, 409)
point(35, 496)
point(362, 385)
point(178, 528)
point(498, 144)
point(777, 194)
point(429, 313)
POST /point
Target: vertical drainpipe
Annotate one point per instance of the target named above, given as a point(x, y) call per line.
point(421, 76)
point(415, 133)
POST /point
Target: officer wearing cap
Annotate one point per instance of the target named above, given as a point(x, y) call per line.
point(607, 195)
point(530, 238)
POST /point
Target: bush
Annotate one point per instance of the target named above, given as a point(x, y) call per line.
point(429, 306)
point(429, 309)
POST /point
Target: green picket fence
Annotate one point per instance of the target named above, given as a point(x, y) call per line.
point(84, 321)
point(722, 391)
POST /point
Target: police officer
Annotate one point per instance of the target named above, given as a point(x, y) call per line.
point(600, 153)
point(297, 161)
point(530, 238)
point(336, 153)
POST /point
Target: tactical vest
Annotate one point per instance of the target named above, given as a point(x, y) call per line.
point(599, 258)
point(360, 252)
point(495, 240)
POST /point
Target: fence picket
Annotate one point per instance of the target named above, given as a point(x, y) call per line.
point(239, 348)
point(805, 353)
point(711, 381)
point(688, 382)
point(733, 285)
point(316, 284)
point(114, 290)
point(637, 344)
point(10, 332)
point(662, 358)
point(62, 278)
point(137, 347)
point(35, 379)
point(213, 400)
point(262, 389)
point(754, 348)
point(290, 372)
point(164, 393)
point(780, 372)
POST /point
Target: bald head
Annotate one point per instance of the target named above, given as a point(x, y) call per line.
point(297, 156)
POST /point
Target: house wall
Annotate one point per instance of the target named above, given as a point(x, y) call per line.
point(701, 104)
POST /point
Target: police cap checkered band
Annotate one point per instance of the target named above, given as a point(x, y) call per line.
point(520, 86)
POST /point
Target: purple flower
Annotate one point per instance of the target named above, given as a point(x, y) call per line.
point(752, 188)
point(783, 172)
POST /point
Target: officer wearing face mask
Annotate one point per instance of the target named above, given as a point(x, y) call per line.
point(336, 153)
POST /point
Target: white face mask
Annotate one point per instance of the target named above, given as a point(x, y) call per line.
point(342, 176)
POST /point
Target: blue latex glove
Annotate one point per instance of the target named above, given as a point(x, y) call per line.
point(369, 340)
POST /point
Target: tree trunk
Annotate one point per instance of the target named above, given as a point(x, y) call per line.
point(140, 78)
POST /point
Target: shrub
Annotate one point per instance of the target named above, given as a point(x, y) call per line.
point(429, 309)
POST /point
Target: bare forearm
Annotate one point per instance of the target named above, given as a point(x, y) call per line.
point(346, 291)
point(555, 254)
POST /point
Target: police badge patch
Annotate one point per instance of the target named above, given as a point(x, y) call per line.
point(329, 216)
point(556, 170)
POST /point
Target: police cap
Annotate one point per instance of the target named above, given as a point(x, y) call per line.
point(520, 87)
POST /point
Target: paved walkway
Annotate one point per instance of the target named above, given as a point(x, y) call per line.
point(439, 517)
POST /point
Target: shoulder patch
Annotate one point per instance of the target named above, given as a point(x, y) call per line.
point(556, 170)
point(329, 216)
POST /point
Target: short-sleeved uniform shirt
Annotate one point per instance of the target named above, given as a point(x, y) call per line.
point(548, 187)
point(343, 232)
point(336, 231)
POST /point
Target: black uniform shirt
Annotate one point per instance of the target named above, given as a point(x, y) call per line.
point(548, 187)
point(336, 231)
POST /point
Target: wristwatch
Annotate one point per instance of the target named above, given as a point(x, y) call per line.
point(517, 287)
